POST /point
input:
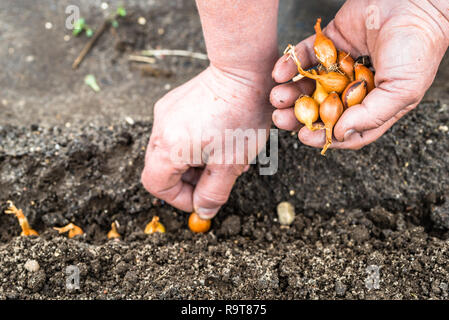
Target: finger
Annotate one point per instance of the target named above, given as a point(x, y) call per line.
point(192, 175)
point(382, 104)
point(354, 141)
point(163, 179)
point(285, 69)
point(214, 187)
point(285, 119)
point(312, 138)
point(285, 95)
point(342, 43)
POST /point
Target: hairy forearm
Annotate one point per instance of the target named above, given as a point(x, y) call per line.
point(240, 33)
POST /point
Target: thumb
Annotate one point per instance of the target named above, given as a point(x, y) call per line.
point(214, 187)
point(381, 105)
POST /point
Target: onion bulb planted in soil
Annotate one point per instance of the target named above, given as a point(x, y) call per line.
point(154, 226)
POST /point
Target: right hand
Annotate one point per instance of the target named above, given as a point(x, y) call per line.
point(213, 101)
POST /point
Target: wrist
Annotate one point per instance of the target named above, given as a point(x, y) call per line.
point(245, 60)
point(235, 84)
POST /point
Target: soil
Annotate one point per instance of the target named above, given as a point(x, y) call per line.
point(383, 208)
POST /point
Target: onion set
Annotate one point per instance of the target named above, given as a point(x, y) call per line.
point(307, 111)
point(324, 48)
point(341, 82)
point(198, 225)
point(154, 226)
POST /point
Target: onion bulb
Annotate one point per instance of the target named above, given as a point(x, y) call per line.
point(330, 111)
point(319, 94)
point(331, 82)
point(154, 226)
point(325, 50)
point(198, 225)
point(113, 233)
point(364, 73)
point(354, 93)
point(307, 111)
point(73, 230)
point(346, 64)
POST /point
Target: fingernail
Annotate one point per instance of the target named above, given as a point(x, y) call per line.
point(207, 213)
point(348, 134)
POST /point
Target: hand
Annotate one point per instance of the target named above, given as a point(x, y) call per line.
point(406, 48)
point(213, 101)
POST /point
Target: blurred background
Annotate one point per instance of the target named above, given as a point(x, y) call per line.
point(38, 84)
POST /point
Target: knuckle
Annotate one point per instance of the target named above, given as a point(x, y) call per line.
point(377, 122)
point(212, 197)
point(235, 170)
point(148, 182)
point(157, 106)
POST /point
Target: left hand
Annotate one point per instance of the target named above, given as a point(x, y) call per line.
point(406, 48)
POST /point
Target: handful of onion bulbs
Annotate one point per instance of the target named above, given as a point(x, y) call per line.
point(340, 84)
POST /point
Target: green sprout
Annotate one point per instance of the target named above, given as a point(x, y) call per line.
point(121, 11)
point(79, 26)
point(114, 24)
point(89, 32)
point(91, 82)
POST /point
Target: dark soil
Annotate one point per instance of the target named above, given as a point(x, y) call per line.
point(385, 207)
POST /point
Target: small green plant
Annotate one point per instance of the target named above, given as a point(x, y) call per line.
point(114, 24)
point(92, 82)
point(80, 26)
point(121, 12)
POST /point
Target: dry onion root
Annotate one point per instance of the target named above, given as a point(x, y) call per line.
point(331, 82)
point(340, 84)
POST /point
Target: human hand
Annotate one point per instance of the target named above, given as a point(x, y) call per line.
point(188, 116)
point(406, 41)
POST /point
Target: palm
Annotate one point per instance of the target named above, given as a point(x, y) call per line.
point(405, 48)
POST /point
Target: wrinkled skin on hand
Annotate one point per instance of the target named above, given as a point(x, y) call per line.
point(406, 48)
point(211, 102)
